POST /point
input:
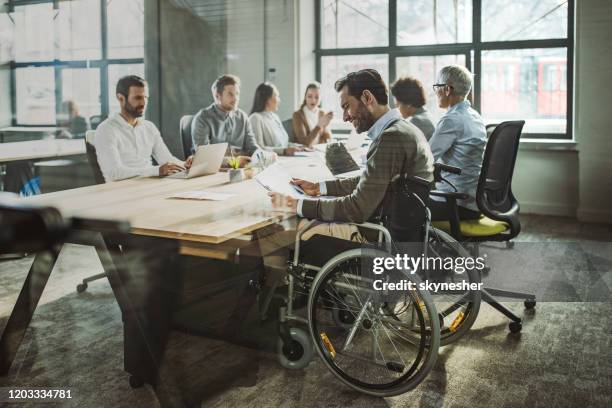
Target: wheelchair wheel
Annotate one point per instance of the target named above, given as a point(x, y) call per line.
point(369, 345)
point(459, 309)
point(298, 354)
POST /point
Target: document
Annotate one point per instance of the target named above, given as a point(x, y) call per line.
point(274, 178)
point(203, 195)
point(306, 154)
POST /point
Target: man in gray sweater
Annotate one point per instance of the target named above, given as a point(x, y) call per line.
point(223, 121)
point(398, 147)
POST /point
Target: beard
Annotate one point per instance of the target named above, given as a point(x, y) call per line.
point(133, 111)
point(363, 118)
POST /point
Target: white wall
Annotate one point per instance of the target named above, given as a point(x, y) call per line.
point(593, 126)
point(253, 48)
point(546, 182)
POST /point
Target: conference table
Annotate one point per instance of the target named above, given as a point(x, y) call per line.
point(23, 133)
point(40, 149)
point(201, 228)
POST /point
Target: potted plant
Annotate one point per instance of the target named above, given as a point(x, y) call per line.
point(236, 174)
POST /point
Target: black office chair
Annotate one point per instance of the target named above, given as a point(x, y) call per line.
point(95, 120)
point(185, 132)
point(99, 178)
point(92, 157)
point(288, 125)
point(500, 209)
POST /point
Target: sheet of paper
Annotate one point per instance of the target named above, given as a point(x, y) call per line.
point(274, 178)
point(203, 195)
point(306, 154)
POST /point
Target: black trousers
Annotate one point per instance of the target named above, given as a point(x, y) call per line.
point(439, 211)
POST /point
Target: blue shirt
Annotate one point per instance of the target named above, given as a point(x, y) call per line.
point(459, 140)
point(382, 123)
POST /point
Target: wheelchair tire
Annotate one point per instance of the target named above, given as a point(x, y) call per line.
point(388, 377)
point(299, 353)
point(454, 327)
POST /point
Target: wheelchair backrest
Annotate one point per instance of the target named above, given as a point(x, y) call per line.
point(403, 211)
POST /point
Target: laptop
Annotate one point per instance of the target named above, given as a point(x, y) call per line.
point(207, 160)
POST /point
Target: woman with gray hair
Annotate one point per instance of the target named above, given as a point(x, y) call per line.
point(459, 140)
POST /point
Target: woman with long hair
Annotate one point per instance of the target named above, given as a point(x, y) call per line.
point(310, 122)
point(267, 126)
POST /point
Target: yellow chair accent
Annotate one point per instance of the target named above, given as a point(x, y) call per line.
point(483, 227)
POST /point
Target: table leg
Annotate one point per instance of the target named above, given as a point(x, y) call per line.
point(24, 308)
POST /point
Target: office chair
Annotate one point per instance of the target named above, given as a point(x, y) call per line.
point(500, 209)
point(288, 125)
point(95, 120)
point(185, 132)
point(99, 178)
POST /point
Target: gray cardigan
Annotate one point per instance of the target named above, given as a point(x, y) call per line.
point(422, 120)
point(401, 148)
point(212, 125)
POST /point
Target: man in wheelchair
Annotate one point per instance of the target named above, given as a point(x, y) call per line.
point(398, 148)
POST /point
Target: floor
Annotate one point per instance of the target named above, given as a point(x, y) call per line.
point(562, 358)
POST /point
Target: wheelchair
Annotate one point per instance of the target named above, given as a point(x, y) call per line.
point(379, 342)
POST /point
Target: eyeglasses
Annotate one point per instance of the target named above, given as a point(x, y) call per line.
point(436, 86)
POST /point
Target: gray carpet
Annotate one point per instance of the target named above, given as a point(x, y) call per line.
point(562, 358)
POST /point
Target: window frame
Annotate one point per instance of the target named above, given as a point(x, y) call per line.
point(473, 51)
point(102, 64)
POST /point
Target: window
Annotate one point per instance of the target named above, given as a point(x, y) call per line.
point(518, 50)
point(82, 85)
point(338, 66)
point(347, 23)
point(126, 29)
point(35, 88)
point(69, 50)
point(425, 69)
point(115, 72)
point(434, 21)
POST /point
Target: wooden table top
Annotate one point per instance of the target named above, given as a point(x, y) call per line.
point(40, 149)
point(145, 204)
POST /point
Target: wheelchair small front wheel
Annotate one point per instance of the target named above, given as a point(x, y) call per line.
point(298, 353)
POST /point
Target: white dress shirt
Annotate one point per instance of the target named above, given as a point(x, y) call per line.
point(125, 151)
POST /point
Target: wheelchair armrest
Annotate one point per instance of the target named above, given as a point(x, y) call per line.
point(383, 232)
point(439, 168)
point(449, 194)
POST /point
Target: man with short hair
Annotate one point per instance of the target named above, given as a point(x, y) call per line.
point(459, 140)
point(410, 101)
point(223, 121)
point(398, 147)
point(125, 141)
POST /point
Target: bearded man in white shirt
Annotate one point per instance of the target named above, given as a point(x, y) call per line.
point(125, 142)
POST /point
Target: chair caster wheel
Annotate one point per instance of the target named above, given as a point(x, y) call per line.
point(510, 244)
point(136, 382)
point(530, 304)
point(298, 353)
point(81, 287)
point(515, 327)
